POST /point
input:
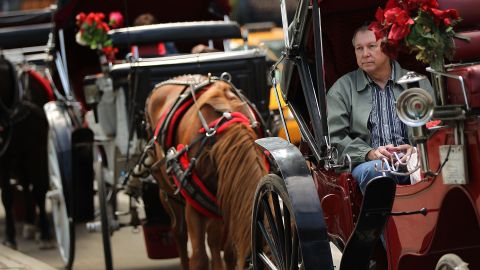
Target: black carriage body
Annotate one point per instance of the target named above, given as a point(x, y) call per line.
point(248, 71)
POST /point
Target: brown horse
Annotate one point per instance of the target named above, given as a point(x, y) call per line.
point(229, 164)
point(23, 152)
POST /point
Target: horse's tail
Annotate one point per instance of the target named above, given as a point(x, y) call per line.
point(240, 165)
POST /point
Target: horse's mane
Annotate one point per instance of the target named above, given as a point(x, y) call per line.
point(240, 165)
point(232, 166)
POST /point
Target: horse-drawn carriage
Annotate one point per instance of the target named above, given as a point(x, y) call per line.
point(103, 136)
point(310, 198)
point(117, 96)
point(39, 73)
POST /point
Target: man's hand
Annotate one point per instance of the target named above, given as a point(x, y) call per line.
point(380, 153)
point(404, 151)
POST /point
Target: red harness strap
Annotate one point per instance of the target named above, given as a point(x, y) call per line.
point(199, 207)
point(44, 82)
point(219, 125)
point(178, 114)
point(236, 117)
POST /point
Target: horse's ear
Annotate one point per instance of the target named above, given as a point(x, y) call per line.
point(219, 104)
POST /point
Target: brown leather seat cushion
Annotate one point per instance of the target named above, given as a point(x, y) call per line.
point(471, 75)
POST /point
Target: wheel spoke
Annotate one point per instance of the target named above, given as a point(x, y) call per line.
point(288, 236)
point(269, 241)
point(280, 228)
point(271, 222)
point(267, 261)
point(275, 237)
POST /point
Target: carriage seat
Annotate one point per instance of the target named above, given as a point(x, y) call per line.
point(466, 61)
point(181, 31)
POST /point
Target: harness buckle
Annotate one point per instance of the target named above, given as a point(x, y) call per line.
point(227, 115)
point(211, 132)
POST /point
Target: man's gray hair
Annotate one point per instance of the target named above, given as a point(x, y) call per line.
point(362, 28)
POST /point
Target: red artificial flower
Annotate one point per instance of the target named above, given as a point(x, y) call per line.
point(377, 29)
point(444, 15)
point(89, 19)
point(115, 19)
point(379, 15)
point(400, 22)
point(110, 52)
point(398, 32)
point(397, 16)
point(98, 17)
point(93, 32)
point(394, 26)
point(80, 18)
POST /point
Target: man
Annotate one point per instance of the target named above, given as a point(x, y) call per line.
point(361, 110)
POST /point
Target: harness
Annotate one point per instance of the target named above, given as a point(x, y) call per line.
point(179, 166)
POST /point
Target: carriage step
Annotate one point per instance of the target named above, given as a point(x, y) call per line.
point(376, 207)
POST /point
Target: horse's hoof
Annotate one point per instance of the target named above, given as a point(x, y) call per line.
point(10, 244)
point(46, 244)
point(29, 231)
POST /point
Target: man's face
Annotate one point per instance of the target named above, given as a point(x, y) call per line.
point(368, 52)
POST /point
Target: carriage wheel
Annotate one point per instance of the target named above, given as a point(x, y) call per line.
point(275, 232)
point(63, 223)
point(451, 262)
point(106, 212)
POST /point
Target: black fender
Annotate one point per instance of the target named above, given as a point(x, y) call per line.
point(301, 189)
point(60, 129)
point(74, 146)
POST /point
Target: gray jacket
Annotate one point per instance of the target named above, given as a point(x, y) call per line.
point(349, 103)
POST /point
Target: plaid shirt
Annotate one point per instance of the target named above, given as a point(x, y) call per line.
point(384, 125)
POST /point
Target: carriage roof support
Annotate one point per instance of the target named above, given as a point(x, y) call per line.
point(297, 62)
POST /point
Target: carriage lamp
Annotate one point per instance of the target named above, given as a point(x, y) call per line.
point(91, 91)
point(415, 108)
point(91, 94)
point(93, 87)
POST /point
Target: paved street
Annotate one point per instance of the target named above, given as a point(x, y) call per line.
point(128, 250)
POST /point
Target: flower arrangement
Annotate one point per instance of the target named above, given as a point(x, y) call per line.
point(419, 26)
point(93, 31)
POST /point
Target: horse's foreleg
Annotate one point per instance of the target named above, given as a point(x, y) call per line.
point(43, 223)
point(7, 200)
point(214, 239)
point(38, 176)
point(181, 237)
point(179, 227)
point(196, 232)
point(29, 228)
point(229, 256)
